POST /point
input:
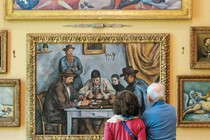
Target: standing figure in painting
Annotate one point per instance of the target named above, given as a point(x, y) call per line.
point(60, 96)
point(160, 119)
point(137, 86)
point(45, 47)
point(201, 107)
point(73, 63)
point(116, 83)
point(126, 109)
point(205, 49)
point(96, 88)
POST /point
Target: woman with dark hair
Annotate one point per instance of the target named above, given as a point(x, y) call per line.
point(125, 124)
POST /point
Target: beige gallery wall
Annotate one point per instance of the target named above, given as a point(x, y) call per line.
point(179, 63)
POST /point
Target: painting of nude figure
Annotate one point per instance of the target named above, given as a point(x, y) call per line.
point(67, 79)
point(105, 9)
point(194, 101)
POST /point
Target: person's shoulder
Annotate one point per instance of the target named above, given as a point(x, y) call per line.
point(140, 86)
point(75, 57)
point(120, 86)
point(89, 81)
point(170, 106)
point(149, 112)
point(62, 58)
point(141, 83)
point(58, 82)
point(104, 79)
point(137, 121)
point(113, 119)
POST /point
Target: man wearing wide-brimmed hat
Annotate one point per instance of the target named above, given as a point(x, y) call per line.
point(60, 96)
point(137, 86)
point(69, 61)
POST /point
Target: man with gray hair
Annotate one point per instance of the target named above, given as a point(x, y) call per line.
point(160, 119)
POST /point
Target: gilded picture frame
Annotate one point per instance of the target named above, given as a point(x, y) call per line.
point(200, 47)
point(3, 51)
point(193, 93)
point(10, 102)
point(178, 9)
point(107, 63)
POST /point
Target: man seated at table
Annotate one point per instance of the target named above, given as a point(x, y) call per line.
point(60, 96)
point(96, 88)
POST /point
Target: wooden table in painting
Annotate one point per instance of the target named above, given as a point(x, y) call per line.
point(86, 113)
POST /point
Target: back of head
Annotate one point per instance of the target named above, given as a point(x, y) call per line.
point(155, 92)
point(126, 104)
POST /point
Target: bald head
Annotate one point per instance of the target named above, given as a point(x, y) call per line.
point(155, 92)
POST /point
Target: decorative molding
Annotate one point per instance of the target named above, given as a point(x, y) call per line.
point(97, 25)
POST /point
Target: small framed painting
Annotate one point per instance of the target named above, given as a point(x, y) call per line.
point(94, 48)
point(193, 101)
point(9, 102)
point(200, 48)
point(3, 51)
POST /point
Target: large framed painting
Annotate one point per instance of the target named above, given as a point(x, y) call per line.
point(3, 51)
point(9, 102)
point(47, 56)
point(193, 101)
point(101, 9)
point(200, 47)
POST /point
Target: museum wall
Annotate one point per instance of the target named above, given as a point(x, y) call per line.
point(179, 61)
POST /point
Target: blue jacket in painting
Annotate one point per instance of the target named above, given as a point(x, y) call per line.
point(76, 67)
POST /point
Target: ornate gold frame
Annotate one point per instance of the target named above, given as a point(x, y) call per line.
point(198, 34)
point(183, 13)
point(33, 39)
point(15, 119)
point(3, 51)
point(183, 88)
